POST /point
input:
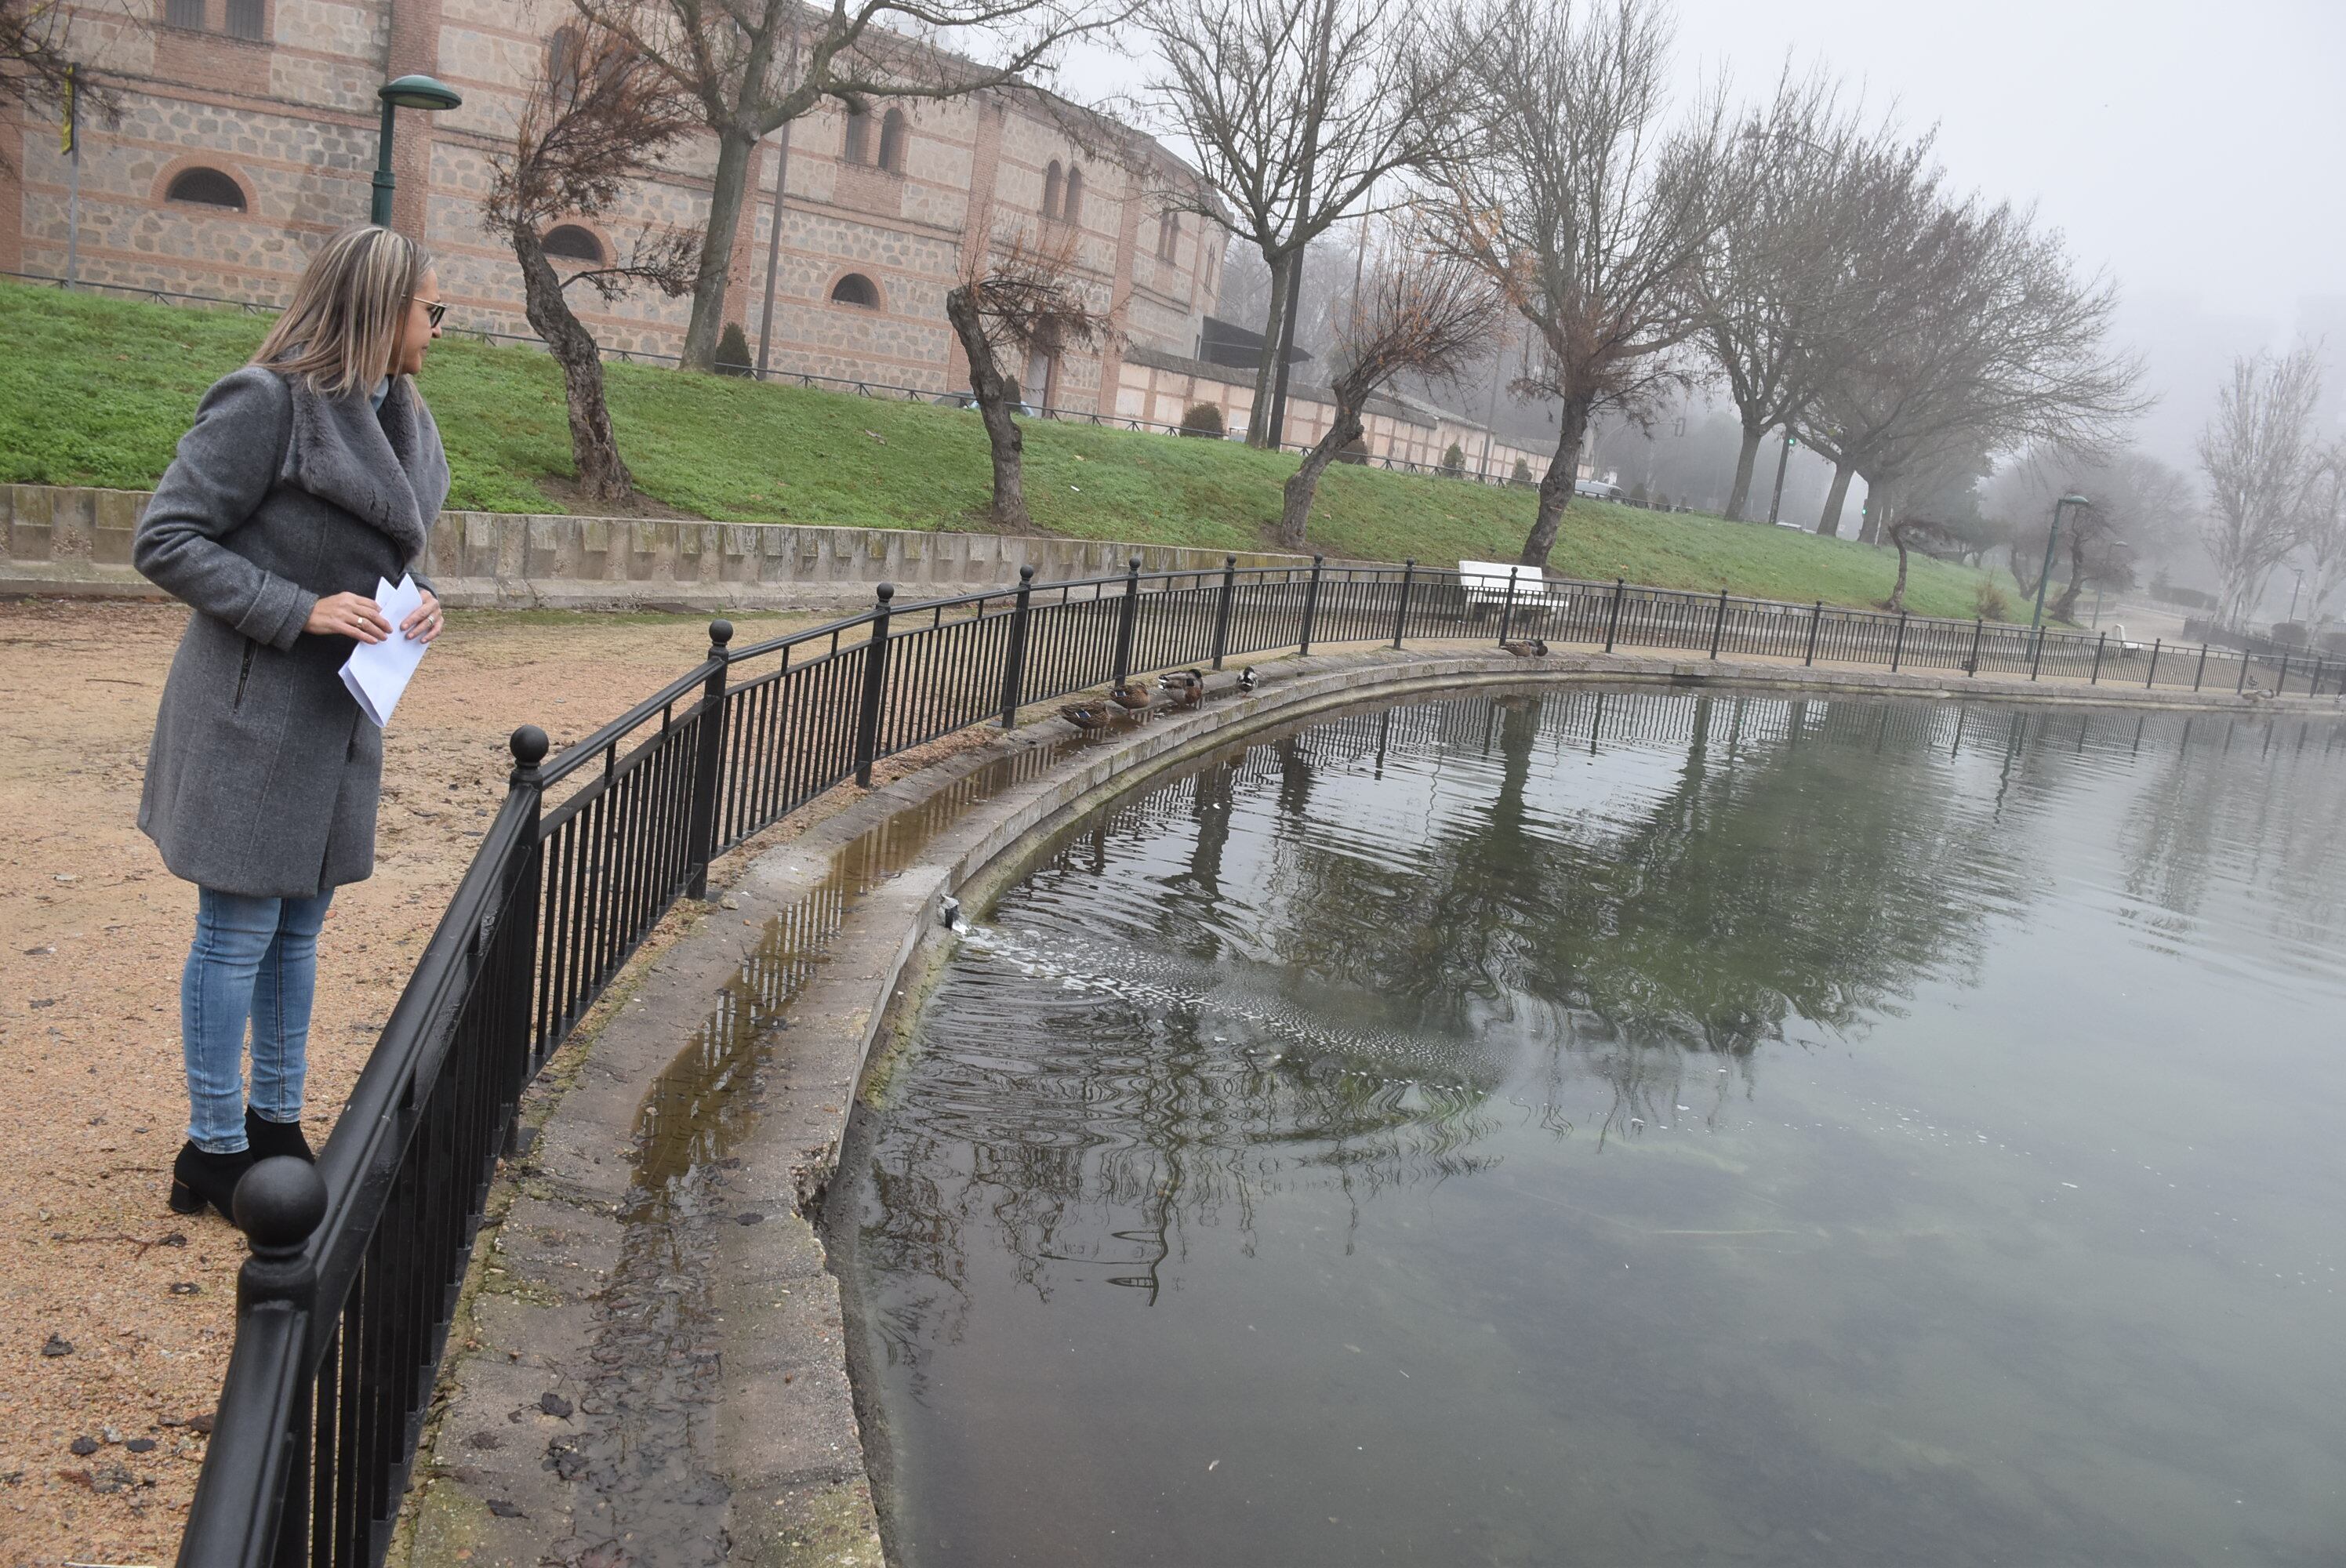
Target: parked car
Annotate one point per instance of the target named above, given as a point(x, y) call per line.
point(1596, 489)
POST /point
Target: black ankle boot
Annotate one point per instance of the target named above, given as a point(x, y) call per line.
point(199, 1178)
point(269, 1139)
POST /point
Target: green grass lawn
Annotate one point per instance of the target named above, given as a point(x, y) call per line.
point(95, 390)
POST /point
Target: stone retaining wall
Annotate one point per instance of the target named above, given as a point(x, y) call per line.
point(63, 541)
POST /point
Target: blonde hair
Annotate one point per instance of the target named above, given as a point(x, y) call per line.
point(339, 332)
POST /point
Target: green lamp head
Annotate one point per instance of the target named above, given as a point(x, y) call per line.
point(419, 93)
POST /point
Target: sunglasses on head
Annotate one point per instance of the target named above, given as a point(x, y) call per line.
point(435, 310)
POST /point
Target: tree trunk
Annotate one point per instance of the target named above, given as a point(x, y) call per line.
point(1266, 368)
point(1829, 524)
point(602, 473)
point(1304, 483)
point(1556, 485)
point(1745, 460)
point(1897, 534)
point(735, 150)
point(993, 394)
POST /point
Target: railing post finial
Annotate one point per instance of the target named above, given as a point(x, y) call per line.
point(278, 1206)
point(529, 747)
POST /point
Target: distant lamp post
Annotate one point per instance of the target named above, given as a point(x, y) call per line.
point(2046, 575)
point(406, 93)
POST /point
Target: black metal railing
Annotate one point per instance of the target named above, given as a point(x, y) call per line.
point(345, 1303)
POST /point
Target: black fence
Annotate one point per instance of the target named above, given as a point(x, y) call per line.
point(344, 1307)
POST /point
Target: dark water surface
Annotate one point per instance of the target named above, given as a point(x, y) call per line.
point(1640, 1128)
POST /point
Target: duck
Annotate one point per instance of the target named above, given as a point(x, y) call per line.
point(1535, 648)
point(1182, 680)
point(1131, 697)
point(1184, 696)
point(1087, 714)
point(2252, 692)
point(1246, 678)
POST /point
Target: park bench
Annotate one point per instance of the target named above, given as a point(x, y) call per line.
point(1484, 583)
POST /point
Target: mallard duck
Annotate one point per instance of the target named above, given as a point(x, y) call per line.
point(1088, 715)
point(1184, 696)
point(2255, 693)
point(1246, 678)
point(1182, 680)
point(1535, 648)
point(1131, 697)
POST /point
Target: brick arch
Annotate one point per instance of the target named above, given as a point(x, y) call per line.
point(878, 305)
point(593, 230)
point(179, 165)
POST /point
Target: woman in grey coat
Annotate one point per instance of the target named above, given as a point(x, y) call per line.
point(310, 473)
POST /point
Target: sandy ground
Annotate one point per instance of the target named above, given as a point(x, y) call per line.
point(116, 1313)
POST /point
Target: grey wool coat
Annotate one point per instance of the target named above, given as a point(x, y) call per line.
point(264, 775)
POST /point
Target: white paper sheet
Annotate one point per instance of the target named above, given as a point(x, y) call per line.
point(377, 673)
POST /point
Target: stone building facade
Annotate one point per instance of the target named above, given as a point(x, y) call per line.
point(249, 132)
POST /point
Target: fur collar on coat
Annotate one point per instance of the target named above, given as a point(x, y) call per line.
point(386, 469)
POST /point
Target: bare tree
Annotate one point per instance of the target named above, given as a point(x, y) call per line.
point(2325, 532)
point(2262, 466)
point(585, 130)
point(1779, 315)
point(1416, 311)
point(1988, 341)
point(1027, 299)
point(37, 62)
point(1591, 218)
point(1294, 110)
point(752, 67)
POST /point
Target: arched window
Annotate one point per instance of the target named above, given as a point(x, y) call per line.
point(206, 187)
point(892, 141)
point(855, 289)
point(859, 136)
point(1071, 209)
point(1055, 182)
point(565, 51)
point(571, 243)
point(1168, 236)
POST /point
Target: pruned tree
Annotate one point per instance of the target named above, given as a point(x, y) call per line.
point(584, 132)
point(1025, 299)
point(1295, 110)
point(1591, 216)
point(2262, 464)
point(1417, 311)
point(37, 62)
point(2142, 509)
point(752, 67)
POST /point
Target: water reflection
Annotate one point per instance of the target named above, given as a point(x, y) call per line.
point(1424, 1019)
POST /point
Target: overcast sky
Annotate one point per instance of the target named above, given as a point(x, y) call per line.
point(2191, 148)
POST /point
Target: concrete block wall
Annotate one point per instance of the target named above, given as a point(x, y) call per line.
point(62, 541)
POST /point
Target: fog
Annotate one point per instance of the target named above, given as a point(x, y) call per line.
point(2185, 150)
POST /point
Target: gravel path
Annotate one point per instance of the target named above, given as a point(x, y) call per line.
point(114, 1313)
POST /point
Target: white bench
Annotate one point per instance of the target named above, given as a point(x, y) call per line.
point(1484, 583)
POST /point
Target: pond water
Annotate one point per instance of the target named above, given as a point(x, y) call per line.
point(1623, 1128)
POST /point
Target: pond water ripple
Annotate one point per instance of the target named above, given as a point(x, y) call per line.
point(1635, 1127)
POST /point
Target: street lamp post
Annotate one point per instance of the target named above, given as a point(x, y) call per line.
point(406, 93)
point(2046, 575)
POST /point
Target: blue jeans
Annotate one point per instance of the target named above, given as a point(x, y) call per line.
point(254, 960)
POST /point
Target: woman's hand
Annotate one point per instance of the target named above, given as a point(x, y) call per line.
point(426, 622)
point(352, 616)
